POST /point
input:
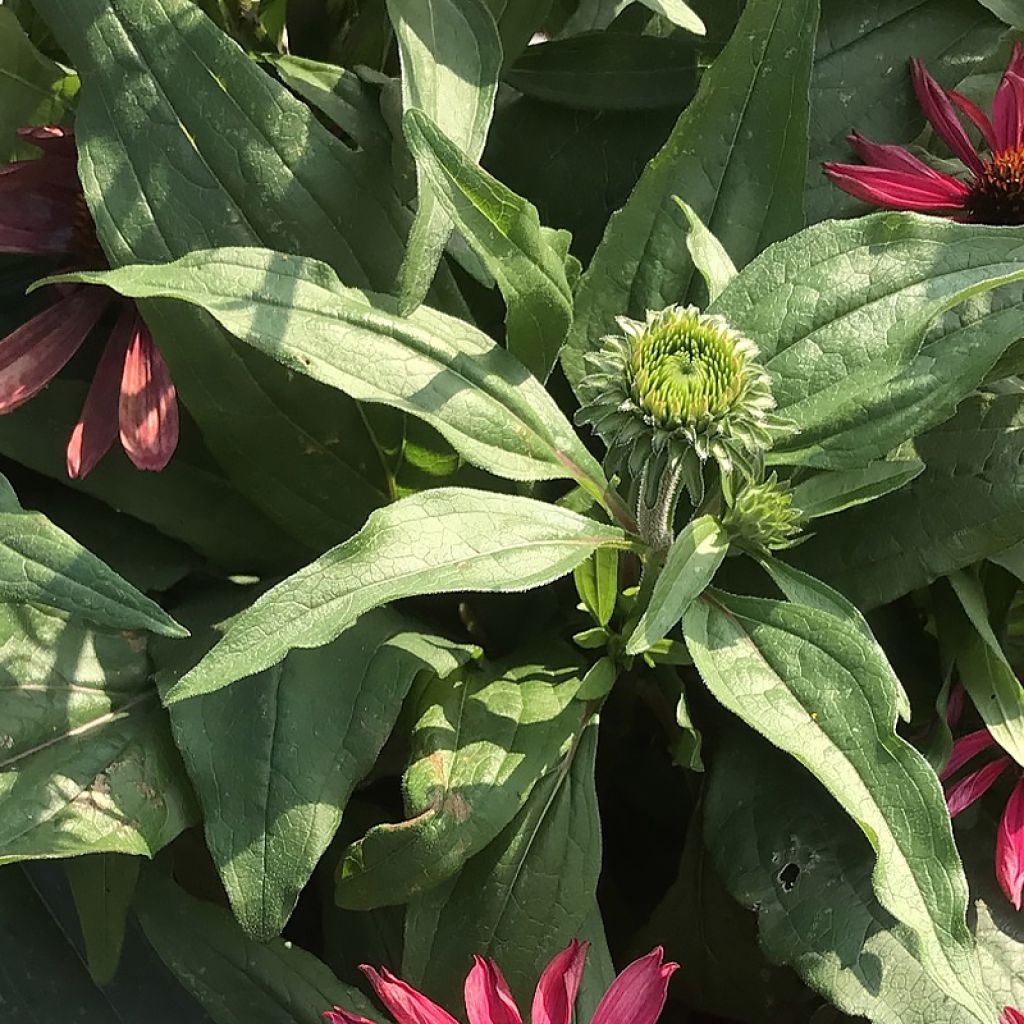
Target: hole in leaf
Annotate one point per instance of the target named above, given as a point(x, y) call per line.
point(788, 876)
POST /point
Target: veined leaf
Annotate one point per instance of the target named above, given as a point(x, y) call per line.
point(451, 58)
point(505, 233)
point(708, 254)
point(742, 175)
point(41, 564)
point(433, 366)
point(312, 728)
point(815, 687)
point(436, 542)
point(481, 743)
point(826, 493)
point(87, 764)
point(597, 582)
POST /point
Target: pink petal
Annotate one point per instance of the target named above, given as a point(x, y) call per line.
point(404, 1003)
point(1011, 1016)
point(97, 426)
point(1010, 847)
point(939, 111)
point(488, 999)
point(637, 995)
point(1008, 113)
point(556, 991)
point(38, 211)
point(899, 190)
point(964, 749)
point(149, 405)
point(893, 158)
point(52, 139)
point(977, 116)
point(32, 355)
point(340, 1016)
point(974, 786)
point(955, 706)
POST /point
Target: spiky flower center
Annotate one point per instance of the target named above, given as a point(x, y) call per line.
point(997, 192)
point(686, 371)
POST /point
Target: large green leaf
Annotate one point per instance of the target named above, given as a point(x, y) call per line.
point(41, 564)
point(871, 44)
point(440, 541)
point(966, 505)
point(237, 980)
point(518, 21)
point(185, 143)
point(598, 14)
point(311, 727)
point(729, 157)
point(840, 311)
point(523, 897)
point(814, 684)
point(505, 232)
point(786, 850)
point(451, 57)
point(480, 744)
point(87, 764)
point(433, 366)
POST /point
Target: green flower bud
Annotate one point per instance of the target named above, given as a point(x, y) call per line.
point(762, 518)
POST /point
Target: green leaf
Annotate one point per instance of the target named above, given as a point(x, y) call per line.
point(435, 367)
point(504, 231)
point(33, 89)
point(480, 744)
point(522, 898)
point(518, 21)
point(451, 58)
point(103, 886)
point(607, 71)
point(598, 14)
point(743, 175)
point(599, 680)
point(678, 13)
point(87, 764)
point(872, 46)
point(312, 728)
point(237, 980)
point(784, 849)
point(707, 252)
point(815, 687)
point(41, 564)
point(826, 493)
point(691, 564)
point(839, 313)
point(437, 542)
point(597, 582)
point(986, 674)
point(966, 505)
point(1010, 11)
point(185, 144)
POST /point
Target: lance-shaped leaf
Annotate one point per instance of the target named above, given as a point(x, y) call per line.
point(811, 682)
point(87, 764)
point(598, 14)
point(505, 232)
point(433, 366)
point(826, 493)
point(451, 58)
point(708, 254)
point(311, 728)
point(445, 540)
point(691, 564)
point(839, 313)
point(480, 745)
point(727, 158)
point(41, 564)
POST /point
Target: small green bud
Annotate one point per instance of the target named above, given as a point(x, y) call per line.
point(762, 517)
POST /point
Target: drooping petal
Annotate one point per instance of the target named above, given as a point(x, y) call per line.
point(404, 1003)
point(637, 995)
point(149, 406)
point(974, 786)
point(964, 749)
point(337, 1015)
point(1011, 1016)
point(1008, 113)
point(976, 116)
point(1010, 847)
point(32, 355)
point(97, 426)
point(939, 111)
point(893, 158)
point(488, 999)
point(556, 991)
point(898, 190)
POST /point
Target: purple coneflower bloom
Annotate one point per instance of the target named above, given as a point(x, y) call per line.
point(43, 212)
point(636, 996)
point(992, 193)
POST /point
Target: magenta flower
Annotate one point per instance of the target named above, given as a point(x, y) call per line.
point(43, 212)
point(992, 192)
point(974, 785)
point(636, 996)
point(1011, 1016)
